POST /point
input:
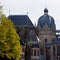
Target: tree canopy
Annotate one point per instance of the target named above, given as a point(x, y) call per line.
point(9, 39)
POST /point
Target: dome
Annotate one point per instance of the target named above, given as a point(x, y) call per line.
point(46, 19)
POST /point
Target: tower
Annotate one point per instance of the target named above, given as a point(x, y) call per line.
point(46, 27)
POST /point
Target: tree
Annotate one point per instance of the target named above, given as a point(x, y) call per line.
point(9, 39)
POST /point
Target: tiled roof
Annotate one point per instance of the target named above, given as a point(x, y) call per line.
point(21, 20)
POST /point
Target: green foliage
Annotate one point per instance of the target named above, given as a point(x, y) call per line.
point(9, 40)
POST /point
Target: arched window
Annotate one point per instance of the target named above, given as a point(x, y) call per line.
point(34, 52)
point(46, 40)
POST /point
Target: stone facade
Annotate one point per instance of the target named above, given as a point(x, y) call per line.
point(38, 43)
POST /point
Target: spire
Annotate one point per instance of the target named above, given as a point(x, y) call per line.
point(45, 11)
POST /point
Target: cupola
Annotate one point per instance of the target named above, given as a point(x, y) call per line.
point(46, 20)
point(45, 11)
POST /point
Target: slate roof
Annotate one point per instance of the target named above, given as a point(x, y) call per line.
point(46, 19)
point(21, 20)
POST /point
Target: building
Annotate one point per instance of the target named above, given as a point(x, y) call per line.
point(38, 43)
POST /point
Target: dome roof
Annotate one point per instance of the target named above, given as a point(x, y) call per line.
point(46, 19)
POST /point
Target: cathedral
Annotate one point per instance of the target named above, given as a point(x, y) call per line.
point(41, 42)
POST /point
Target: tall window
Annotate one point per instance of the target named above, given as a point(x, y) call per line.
point(34, 52)
point(45, 40)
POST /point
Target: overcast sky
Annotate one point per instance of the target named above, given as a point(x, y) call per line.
point(35, 8)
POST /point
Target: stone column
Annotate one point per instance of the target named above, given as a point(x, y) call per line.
point(55, 52)
point(51, 52)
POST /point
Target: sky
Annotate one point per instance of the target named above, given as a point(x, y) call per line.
point(35, 9)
